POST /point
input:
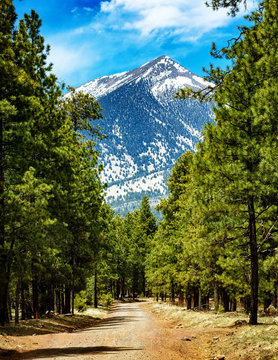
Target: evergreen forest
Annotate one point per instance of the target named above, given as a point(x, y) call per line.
point(61, 245)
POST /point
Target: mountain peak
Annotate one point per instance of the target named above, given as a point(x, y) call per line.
point(162, 75)
point(147, 128)
point(162, 58)
point(163, 63)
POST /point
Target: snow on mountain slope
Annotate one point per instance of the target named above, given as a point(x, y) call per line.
point(162, 75)
point(148, 129)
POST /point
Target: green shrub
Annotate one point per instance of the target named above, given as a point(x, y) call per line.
point(221, 309)
point(107, 299)
point(80, 301)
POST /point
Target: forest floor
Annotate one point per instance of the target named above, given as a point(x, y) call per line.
point(142, 330)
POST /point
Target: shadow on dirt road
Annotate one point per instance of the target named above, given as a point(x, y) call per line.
point(70, 351)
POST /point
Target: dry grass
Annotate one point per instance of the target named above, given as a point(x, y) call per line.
point(59, 323)
point(100, 312)
point(258, 342)
point(191, 318)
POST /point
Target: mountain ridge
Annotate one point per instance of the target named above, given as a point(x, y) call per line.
point(148, 129)
point(99, 89)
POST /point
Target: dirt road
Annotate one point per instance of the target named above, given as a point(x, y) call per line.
point(129, 332)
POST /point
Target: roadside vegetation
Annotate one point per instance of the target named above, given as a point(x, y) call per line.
point(225, 334)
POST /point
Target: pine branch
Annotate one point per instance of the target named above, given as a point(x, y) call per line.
point(265, 209)
point(267, 235)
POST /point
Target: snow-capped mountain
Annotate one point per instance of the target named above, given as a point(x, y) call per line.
point(148, 129)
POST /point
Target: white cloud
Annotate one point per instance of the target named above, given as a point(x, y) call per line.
point(157, 18)
point(68, 58)
point(149, 16)
point(88, 9)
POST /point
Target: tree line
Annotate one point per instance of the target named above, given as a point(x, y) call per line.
point(52, 212)
point(219, 233)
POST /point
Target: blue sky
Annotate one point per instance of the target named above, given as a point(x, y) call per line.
point(92, 38)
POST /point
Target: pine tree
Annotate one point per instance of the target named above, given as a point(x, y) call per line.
point(163, 266)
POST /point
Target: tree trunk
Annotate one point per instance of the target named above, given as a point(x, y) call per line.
point(205, 303)
point(59, 298)
point(4, 273)
point(52, 298)
point(118, 287)
point(188, 302)
point(72, 292)
point(246, 304)
point(253, 318)
point(275, 295)
point(135, 281)
point(144, 283)
point(95, 291)
point(35, 296)
point(23, 312)
point(17, 293)
point(172, 292)
point(55, 299)
point(226, 300)
point(200, 299)
point(9, 306)
point(63, 300)
point(267, 302)
point(196, 298)
point(181, 298)
point(28, 302)
point(233, 305)
point(67, 300)
point(3, 291)
point(72, 301)
point(122, 288)
point(216, 297)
